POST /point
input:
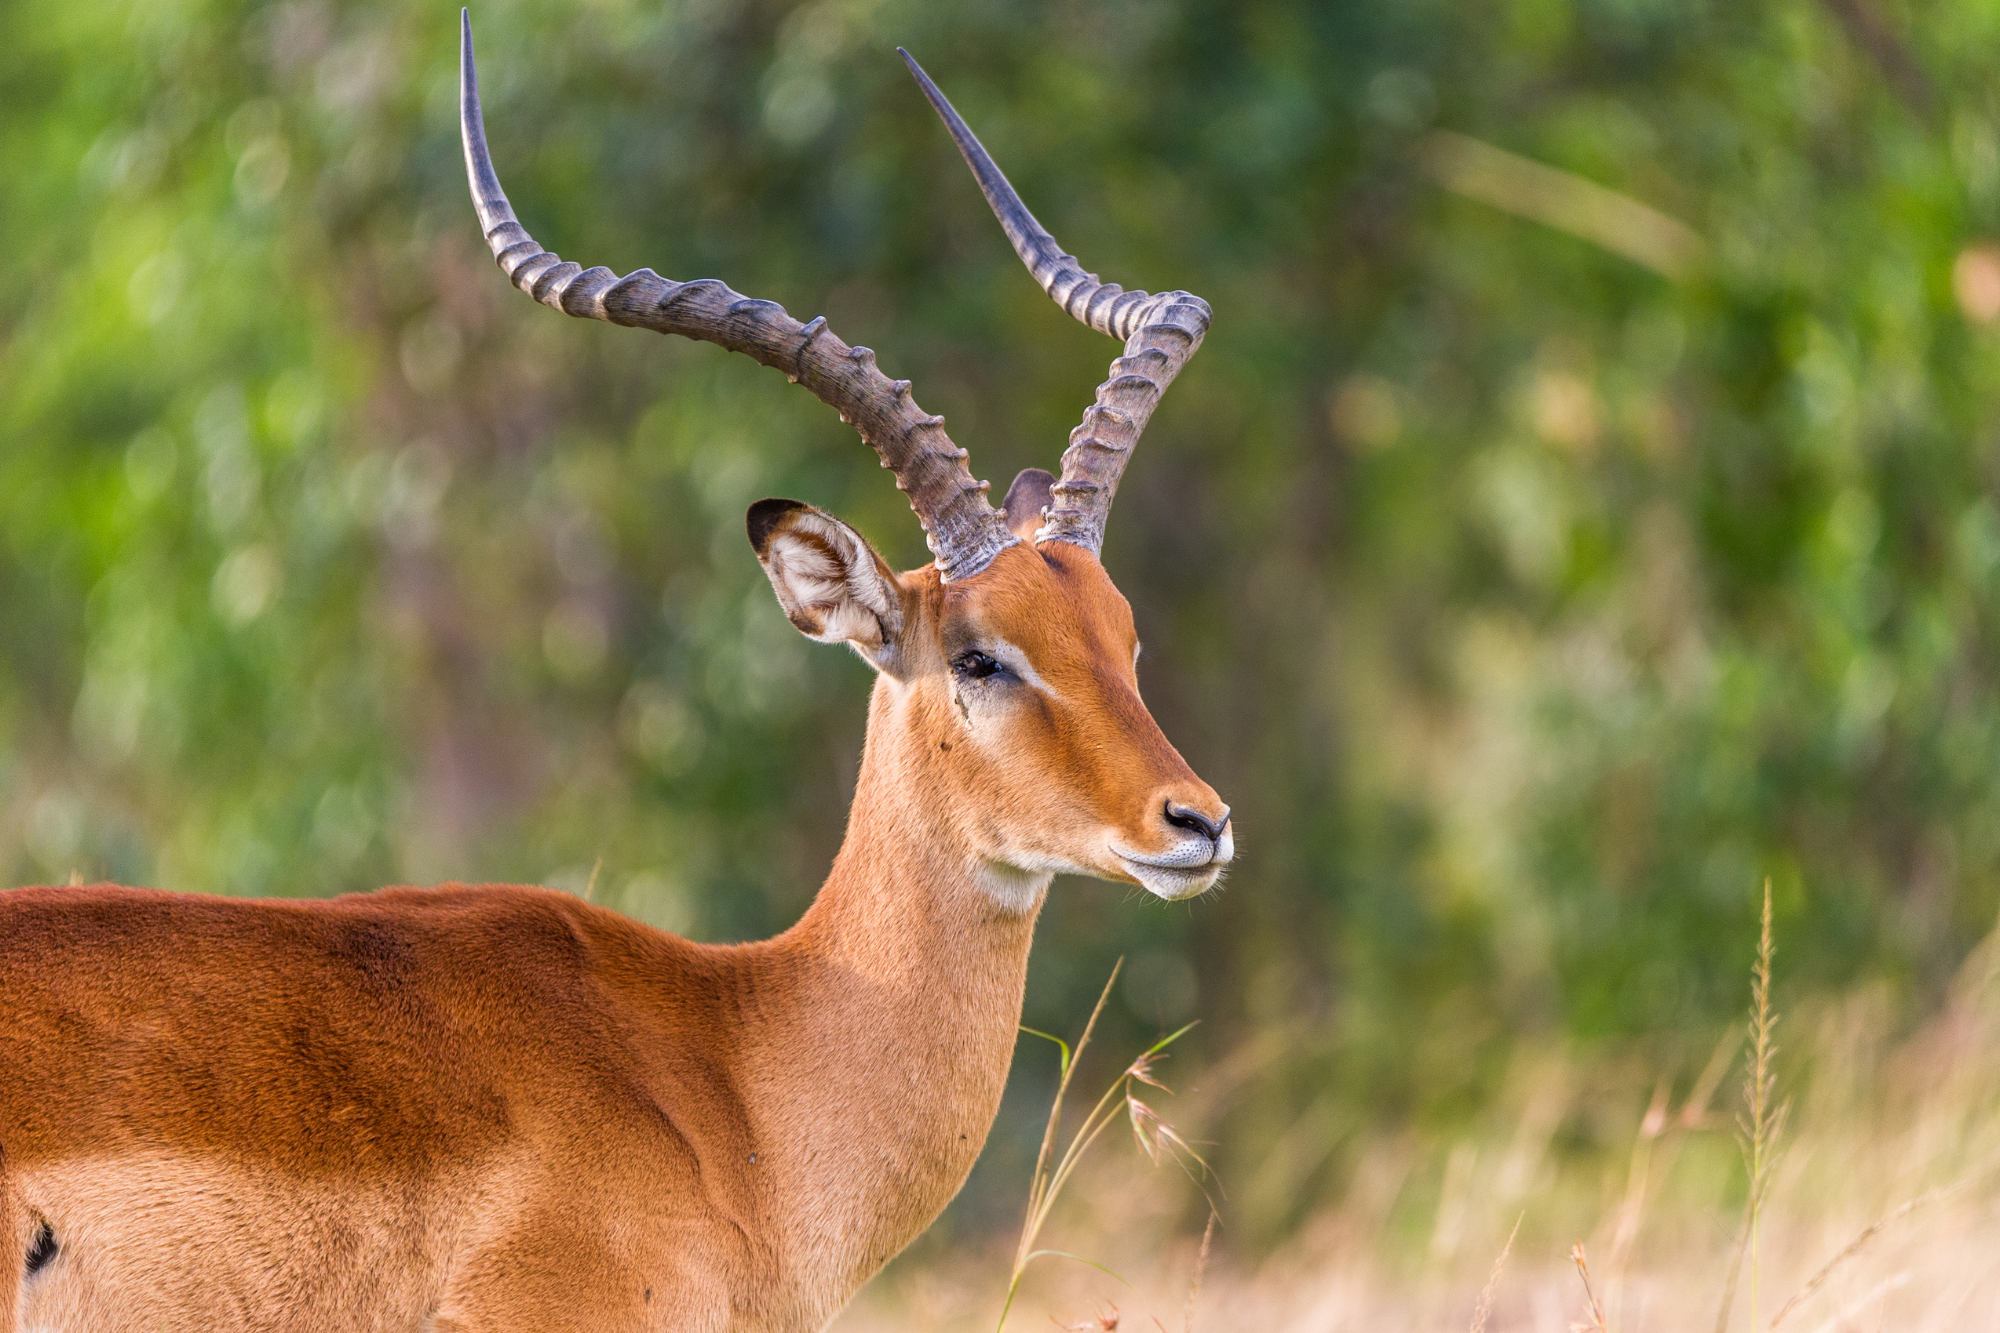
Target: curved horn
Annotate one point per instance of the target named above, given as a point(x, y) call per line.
point(963, 530)
point(1160, 333)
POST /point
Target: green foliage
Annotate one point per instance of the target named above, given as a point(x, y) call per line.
point(1529, 605)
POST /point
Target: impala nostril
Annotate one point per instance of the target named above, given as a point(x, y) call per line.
point(1193, 820)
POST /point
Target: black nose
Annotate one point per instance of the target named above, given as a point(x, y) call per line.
point(1187, 817)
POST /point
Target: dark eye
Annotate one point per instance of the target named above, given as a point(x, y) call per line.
point(975, 665)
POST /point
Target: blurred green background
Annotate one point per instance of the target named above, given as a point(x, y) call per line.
point(1582, 509)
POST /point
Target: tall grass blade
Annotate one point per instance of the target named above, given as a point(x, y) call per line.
point(1576, 1256)
point(1053, 1172)
point(1200, 1266)
point(1854, 1247)
point(1484, 1310)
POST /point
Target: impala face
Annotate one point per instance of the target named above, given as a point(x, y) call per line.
point(1039, 655)
point(1017, 698)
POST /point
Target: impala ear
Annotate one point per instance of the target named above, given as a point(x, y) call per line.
point(1026, 499)
point(828, 579)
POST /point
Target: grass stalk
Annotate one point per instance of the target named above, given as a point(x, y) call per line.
point(1484, 1310)
point(1052, 1172)
point(1762, 1124)
point(1854, 1247)
point(1597, 1323)
point(1200, 1268)
point(1766, 1117)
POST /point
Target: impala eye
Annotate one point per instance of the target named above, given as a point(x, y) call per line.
point(974, 665)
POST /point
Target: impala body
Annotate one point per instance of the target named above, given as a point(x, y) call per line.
point(475, 1108)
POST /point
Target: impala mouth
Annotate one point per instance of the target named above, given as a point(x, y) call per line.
point(1183, 871)
point(1175, 884)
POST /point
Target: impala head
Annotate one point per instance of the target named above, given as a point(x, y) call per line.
point(1010, 699)
point(1007, 695)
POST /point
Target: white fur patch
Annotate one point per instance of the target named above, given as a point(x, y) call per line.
point(1012, 889)
point(1017, 662)
point(1187, 867)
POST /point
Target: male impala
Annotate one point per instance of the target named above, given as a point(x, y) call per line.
point(487, 1108)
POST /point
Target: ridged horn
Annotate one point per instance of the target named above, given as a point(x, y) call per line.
point(1160, 334)
point(963, 530)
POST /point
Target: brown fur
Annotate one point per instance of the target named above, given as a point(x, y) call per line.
point(488, 1108)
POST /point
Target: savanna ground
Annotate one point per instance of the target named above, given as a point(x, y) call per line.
point(1879, 1206)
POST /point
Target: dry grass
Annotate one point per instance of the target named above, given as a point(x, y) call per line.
point(1760, 1129)
point(1881, 1212)
point(1156, 1138)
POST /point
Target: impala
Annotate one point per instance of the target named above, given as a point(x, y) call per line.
point(490, 1107)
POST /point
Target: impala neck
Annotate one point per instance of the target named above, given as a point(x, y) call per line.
point(908, 897)
point(902, 997)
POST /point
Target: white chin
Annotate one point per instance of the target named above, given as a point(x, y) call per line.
point(1174, 884)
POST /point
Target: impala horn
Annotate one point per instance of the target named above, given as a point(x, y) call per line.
point(962, 529)
point(1160, 334)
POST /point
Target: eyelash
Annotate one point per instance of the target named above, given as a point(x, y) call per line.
point(975, 665)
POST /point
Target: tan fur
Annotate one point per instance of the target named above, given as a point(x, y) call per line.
point(496, 1108)
point(15, 1240)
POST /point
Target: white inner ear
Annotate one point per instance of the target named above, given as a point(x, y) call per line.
point(828, 581)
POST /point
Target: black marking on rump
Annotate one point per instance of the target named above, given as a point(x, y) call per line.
point(43, 1252)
